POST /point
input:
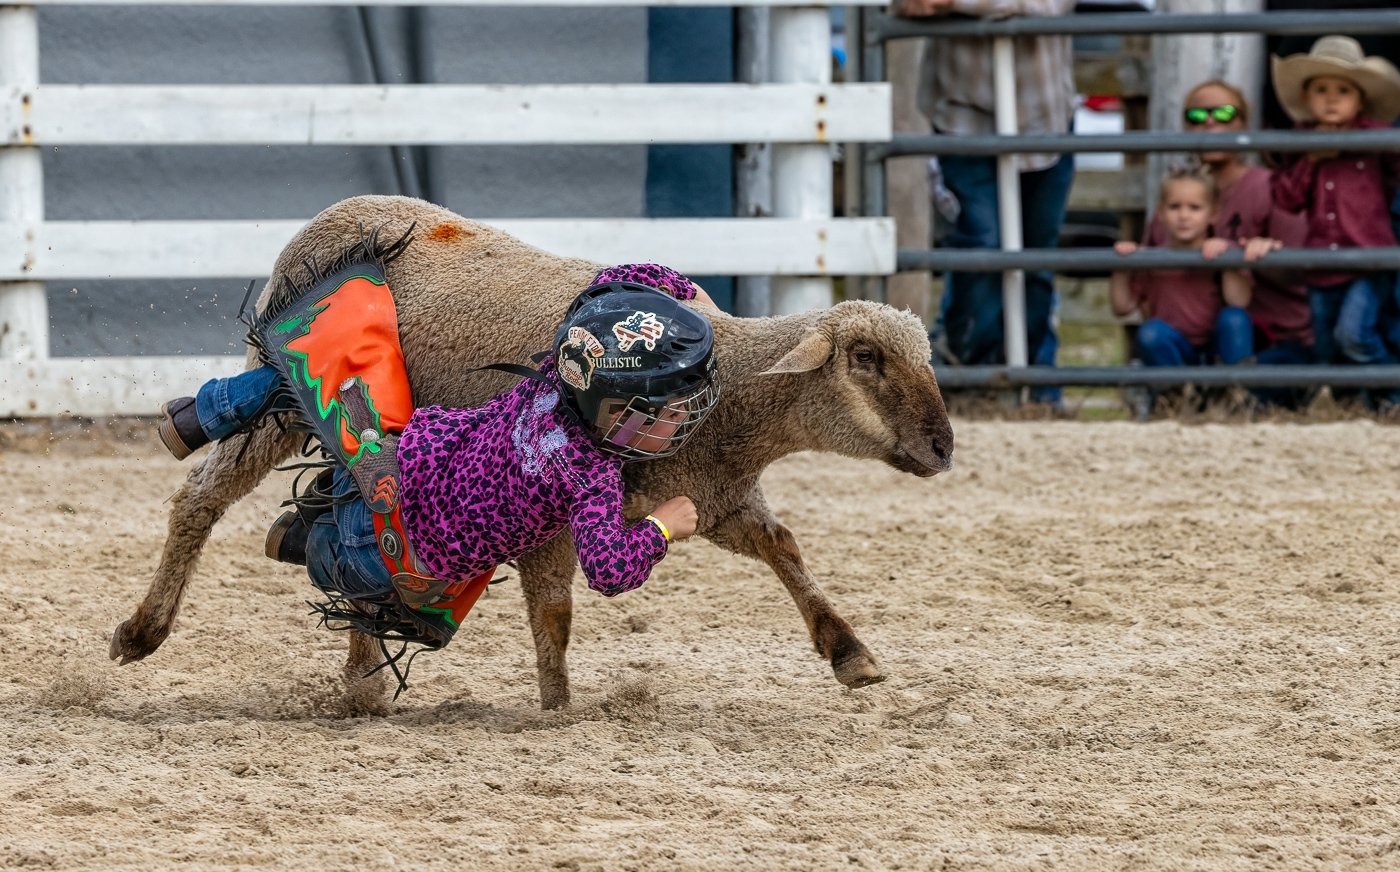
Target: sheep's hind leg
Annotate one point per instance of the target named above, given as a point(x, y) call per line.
point(365, 693)
point(753, 531)
point(221, 480)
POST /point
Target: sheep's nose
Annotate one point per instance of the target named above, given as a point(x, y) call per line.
point(940, 432)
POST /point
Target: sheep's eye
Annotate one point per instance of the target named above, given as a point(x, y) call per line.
point(864, 355)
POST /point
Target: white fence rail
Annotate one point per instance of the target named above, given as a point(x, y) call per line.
point(242, 249)
point(443, 114)
point(800, 111)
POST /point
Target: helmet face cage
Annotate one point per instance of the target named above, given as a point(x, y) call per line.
point(636, 369)
point(646, 428)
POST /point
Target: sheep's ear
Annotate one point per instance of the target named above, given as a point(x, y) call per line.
point(809, 354)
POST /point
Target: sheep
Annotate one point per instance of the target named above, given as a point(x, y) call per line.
point(854, 379)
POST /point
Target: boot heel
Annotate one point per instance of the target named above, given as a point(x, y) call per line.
point(286, 539)
point(179, 428)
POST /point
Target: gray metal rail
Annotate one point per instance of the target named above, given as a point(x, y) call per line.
point(1096, 259)
point(1003, 377)
point(883, 27)
point(1136, 142)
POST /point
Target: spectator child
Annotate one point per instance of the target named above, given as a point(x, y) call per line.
point(1246, 215)
point(1346, 196)
point(1191, 315)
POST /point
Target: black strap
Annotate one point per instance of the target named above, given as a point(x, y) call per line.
point(517, 369)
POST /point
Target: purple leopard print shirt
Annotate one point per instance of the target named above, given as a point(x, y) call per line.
point(485, 485)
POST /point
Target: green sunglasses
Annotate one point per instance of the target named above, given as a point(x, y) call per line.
point(1201, 114)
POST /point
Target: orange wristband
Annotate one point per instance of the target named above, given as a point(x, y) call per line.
point(665, 531)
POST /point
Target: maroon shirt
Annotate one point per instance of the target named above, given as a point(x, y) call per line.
point(1346, 198)
point(1278, 305)
point(1187, 299)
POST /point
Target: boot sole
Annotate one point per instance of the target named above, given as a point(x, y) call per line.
point(169, 436)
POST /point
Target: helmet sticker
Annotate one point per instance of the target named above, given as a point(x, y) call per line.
point(590, 343)
point(578, 356)
point(639, 327)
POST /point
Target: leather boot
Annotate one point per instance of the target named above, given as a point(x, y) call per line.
point(286, 539)
point(179, 428)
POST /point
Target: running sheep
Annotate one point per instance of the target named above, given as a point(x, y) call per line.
point(853, 379)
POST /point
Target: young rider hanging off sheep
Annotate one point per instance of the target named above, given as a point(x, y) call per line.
point(629, 377)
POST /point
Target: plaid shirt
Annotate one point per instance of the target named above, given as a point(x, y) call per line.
point(956, 93)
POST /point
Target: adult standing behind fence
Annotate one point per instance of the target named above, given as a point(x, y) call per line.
point(956, 95)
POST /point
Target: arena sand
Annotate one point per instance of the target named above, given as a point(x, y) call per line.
point(1110, 646)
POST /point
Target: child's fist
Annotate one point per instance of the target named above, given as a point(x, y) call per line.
point(1125, 247)
point(678, 514)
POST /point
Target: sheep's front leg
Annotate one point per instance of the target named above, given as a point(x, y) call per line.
point(753, 531)
point(218, 482)
point(546, 575)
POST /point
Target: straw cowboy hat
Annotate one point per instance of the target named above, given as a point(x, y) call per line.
point(1338, 56)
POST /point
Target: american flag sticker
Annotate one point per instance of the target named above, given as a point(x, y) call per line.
point(642, 327)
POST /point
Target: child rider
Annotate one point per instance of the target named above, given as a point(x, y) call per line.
point(630, 377)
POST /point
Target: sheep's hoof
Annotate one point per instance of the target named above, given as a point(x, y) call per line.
point(858, 670)
point(132, 641)
point(365, 694)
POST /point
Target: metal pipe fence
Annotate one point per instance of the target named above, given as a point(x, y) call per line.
point(878, 28)
point(1106, 259)
point(1003, 377)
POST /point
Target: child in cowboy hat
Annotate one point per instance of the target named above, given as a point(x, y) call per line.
point(1346, 195)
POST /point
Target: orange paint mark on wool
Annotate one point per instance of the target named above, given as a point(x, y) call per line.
point(448, 233)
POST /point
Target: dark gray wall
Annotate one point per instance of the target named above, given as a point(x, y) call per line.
point(313, 45)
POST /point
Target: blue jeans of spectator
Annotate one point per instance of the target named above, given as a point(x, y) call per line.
point(1160, 344)
point(226, 405)
point(1347, 320)
point(972, 311)
point(1289, 353)
point(342, 553)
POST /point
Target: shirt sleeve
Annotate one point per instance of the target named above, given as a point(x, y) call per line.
point(616, 556)
point(1292, 185)
point(1005, 8)
point(653, 275)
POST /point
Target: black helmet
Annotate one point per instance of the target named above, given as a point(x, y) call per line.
point(636, 367)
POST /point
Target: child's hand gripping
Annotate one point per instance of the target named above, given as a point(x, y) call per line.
point(679, 517)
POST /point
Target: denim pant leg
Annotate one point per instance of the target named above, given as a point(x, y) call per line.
point(973, 311)
point(1044, 198)
point(342, 553)
point(1358, 321)
point(1284, 354)
point(972, 307)
point(1326, 305)
point(226, 405)
point(1234, 335)
point(1160, 344)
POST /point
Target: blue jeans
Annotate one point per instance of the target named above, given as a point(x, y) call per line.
point(226, 405)
point(1284, 354)
point(1160, 344)
point(1347, 320)
point(342, 553)
point(971, 311)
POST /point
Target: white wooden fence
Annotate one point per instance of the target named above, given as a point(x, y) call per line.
point(800, 111)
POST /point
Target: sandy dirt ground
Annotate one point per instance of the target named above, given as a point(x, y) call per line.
point(1109, 646)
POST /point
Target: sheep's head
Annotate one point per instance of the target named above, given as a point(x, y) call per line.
point(869, 390)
